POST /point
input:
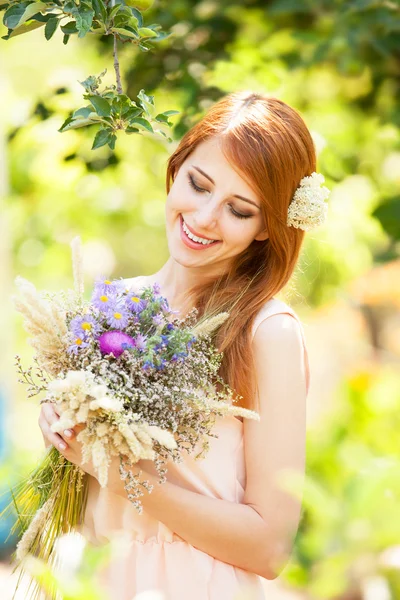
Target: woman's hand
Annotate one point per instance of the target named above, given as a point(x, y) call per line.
point(71, 449)
point(49, 415)
point(66, 443)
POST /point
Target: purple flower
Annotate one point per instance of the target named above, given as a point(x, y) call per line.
point(158, 320)
point(156, 288)
point(118, 317)
point(134, 303)
point(115, 342)
point(141, 342)
point(102, 301)
point(82, 326)
point(77, 345)
point(106, 287)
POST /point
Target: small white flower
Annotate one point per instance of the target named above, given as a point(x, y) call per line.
point(102, 429)
point(162, 436)
point(308, 208)
point(59, 386)
point(76, 377)
point(109, 403)
point(98, 390)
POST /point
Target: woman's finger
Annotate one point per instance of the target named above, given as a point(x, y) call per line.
point(52, 416)
point(51, 437)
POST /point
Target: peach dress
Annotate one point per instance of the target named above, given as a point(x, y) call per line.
point(153, 558)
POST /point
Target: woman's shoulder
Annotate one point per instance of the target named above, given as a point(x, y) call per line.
point(274, 306)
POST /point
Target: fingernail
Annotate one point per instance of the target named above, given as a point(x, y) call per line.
point(62, 446)
point(67, 433)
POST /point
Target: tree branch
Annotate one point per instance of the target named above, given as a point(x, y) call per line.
point(116, 65)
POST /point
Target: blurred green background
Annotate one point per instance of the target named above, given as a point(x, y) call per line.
point(338, 64)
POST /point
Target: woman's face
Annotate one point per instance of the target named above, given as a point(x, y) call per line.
point(212, 211)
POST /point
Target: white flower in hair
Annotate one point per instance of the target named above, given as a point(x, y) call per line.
point(308, 208)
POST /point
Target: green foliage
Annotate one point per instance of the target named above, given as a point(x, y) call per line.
point(110, 108)
point(87, 16)
point(352, 492)
point(115, 111)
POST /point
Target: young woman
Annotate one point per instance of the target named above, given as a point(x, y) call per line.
point(235, 223)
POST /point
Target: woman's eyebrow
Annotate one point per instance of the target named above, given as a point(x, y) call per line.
point(235, 195)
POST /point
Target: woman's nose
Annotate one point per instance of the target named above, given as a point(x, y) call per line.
point(206, 217)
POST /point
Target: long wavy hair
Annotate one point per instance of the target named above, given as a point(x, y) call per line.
point(269, 145)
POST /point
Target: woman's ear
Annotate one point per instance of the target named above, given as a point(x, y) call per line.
point(263, 235)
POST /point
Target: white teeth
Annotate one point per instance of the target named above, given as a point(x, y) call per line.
point(194, 237)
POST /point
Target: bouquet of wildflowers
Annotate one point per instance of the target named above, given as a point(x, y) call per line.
point(143, 382)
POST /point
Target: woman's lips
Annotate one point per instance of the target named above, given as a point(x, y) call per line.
point(191, 243)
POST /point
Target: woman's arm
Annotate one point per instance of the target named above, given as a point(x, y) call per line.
point(256, 535)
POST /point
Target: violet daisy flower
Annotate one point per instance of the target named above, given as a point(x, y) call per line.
point(134, 303)
point(82, 326)
point(118, 318)
point(77, 345)
point(106, 287)
point(102, 301)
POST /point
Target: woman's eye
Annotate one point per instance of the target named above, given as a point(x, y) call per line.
point(239, 215)
point(233, 211)
point(194, 186)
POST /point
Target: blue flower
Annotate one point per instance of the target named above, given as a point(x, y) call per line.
point(148, 365)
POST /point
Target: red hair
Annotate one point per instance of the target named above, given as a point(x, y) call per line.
point(268, 144)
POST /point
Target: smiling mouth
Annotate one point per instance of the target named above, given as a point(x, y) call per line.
point(193, 243)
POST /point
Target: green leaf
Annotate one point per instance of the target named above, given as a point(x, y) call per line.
point(83, 112)
point(121, 105)
point(100, 104)
point(24, 28)
point(114, 11)
point(138, 15)
point(32, 9)
point(83, 14)
point(143, 47)
point(100, 10)
point(51, 27)
point(13, 15)
point(69, 28)
point(146, 32)
point(72, 123)
point(142, 123)
point(126, 32)
point(65, 38)
point(102, 137)
point(163, 117)
point(134, 111)
point(147, 102)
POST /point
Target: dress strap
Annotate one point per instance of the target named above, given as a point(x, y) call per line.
point(275, 306)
